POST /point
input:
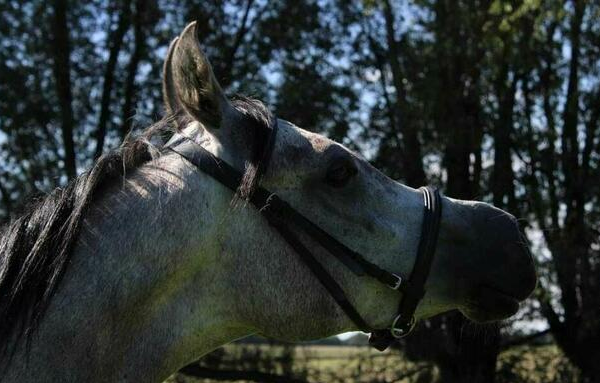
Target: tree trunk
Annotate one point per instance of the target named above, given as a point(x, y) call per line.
point(140, 24)
point(393, 157)
point(569, 139)
point(6, 200)
point(62, 76)
point(472, 359)
point(588, 363)
point(115, 42)
point(413, 157)
point(226, 72)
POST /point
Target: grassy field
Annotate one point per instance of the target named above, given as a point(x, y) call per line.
point(345, 364)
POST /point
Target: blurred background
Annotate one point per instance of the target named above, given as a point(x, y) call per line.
point(491, 99)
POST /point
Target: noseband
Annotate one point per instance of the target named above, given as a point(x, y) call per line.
point(281, 216)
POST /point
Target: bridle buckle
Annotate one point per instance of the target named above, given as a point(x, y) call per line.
point(397, 284)
point(404, 329)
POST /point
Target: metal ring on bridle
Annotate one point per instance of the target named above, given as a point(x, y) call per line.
point(401, 332)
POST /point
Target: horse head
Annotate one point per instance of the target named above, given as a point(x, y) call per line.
point(481, 267)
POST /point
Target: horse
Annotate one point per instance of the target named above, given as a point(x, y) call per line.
point(145, 263)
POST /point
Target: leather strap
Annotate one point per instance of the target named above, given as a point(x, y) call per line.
point(281, 216)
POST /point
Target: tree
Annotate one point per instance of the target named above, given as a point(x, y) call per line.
point(561, 176)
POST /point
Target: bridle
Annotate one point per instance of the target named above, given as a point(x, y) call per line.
point(281, 216)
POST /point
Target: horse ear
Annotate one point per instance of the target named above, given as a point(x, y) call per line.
point(192, 83)
point(172, 104)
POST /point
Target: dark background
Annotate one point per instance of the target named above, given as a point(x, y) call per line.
point(494, 100)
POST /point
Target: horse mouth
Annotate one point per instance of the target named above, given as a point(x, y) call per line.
point(490, 304)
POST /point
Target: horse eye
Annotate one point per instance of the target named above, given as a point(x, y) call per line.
point(340, 172)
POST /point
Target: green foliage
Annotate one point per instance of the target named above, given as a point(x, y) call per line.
point(538, 364)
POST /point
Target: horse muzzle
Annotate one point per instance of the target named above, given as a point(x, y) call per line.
point(495, 266)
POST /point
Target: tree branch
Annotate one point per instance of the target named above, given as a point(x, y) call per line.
point(62, 77)
point(550, 167)
point(390, 111)
point(237, 41)
point(591, 131)
point(569, 140)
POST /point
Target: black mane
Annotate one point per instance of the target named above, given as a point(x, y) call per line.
point(36, 247)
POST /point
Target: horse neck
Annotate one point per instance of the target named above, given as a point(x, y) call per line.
point(142, 296)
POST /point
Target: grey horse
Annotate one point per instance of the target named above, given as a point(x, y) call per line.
point(143, 264)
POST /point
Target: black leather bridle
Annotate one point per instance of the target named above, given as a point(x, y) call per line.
point(281, 216)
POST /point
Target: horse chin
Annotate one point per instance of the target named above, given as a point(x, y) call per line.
point(489, 305)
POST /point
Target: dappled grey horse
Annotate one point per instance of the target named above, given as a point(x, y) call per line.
point(145, 263)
